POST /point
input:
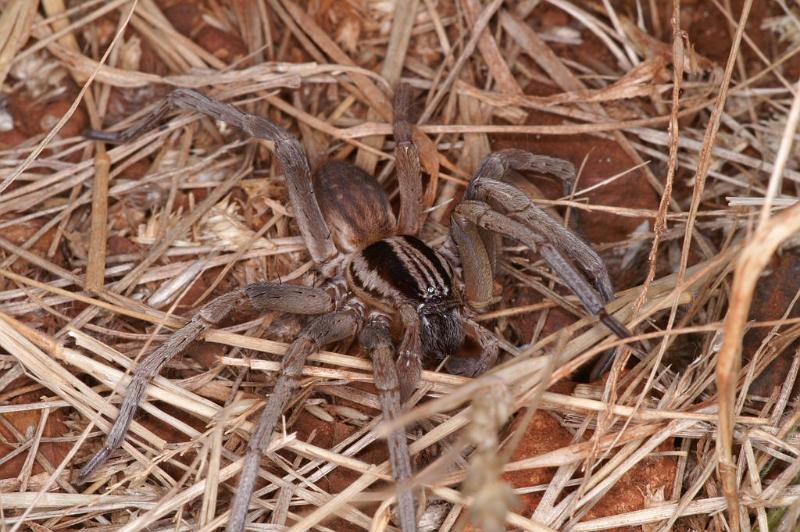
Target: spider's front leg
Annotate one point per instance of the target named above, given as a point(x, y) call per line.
point(260, 296)
point(472, 366)
point(500, 207)
point(489, 186)
point(288, 151)
point(406, 156)
point(409, 360)
point(484, 216)
point(396, 380)
point(319, 332)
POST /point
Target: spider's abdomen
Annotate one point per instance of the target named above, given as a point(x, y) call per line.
point(354, 205)
point(403, 270)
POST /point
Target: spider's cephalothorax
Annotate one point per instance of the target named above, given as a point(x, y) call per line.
point(354, 238)
point(403, 271)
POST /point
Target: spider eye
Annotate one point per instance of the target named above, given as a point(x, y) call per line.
point(431, 290)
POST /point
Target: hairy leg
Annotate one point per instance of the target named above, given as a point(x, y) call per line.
point(484, 216)
point(497, 164)
point(474, 366)
point(319, 332)
point(406, 158)
point(476, 247)
point(261, 296)
point(377, 341)
point(409, 360)
point(288, 151)
point(488, 186)
point(477, 261)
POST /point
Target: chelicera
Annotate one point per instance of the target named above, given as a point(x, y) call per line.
point(375, 270)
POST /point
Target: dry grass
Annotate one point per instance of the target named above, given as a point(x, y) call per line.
point(105, 250)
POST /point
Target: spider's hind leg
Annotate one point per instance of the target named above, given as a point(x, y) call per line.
point(260, 296)
point(406, 155)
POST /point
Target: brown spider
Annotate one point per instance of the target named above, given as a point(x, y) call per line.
point(376, 271)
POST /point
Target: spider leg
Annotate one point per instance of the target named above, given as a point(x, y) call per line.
point(409, 360)
point(496, 166)
point(488, 186)
point(474, 366)
point(483, 215)
point(406, 158)
point(553, 240)
point(261, 296)
point(377, 341)
point(320, 331)
point(287, 149)
point(476, 254)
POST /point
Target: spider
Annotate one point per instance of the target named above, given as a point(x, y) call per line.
point(375, 273)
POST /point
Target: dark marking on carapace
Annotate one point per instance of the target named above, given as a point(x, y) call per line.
point(356, 279)
point(382, 259)
point(432, 257)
